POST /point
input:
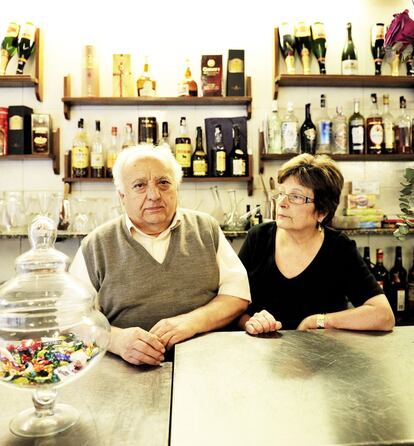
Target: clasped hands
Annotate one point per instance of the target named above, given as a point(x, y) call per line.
point(264, 322)
point(138, 346)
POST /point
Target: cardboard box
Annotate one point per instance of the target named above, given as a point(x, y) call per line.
point(20, 130)
point(361, 201)
point(212, 75)
point(41, 126)
point(235, 81)
point(122, 80)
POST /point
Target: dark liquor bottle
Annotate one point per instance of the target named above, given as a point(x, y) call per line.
point(97, 153)
point(26, 45)
point(80, 153)
point(288, 45)
point(237, 156)
point(248, 224)
point(402, 129)
point(220, 155)
point(304, 45)
point(257, 218)
point(398, 286)
point(367, 258)
point(319, 45)
point(410, 293)
point(409, 63)
point(308, 133)
point(381, 273)
point(356, 131)
point(349, 56)
point(375, 129)
point(199, 158)
point(377, 46)
point(183, 148)
point(8, 46)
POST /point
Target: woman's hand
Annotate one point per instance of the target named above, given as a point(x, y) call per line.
point(262, 322)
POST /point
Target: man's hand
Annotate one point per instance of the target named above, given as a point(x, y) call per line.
point(262, 322)
point(174, 329)
point(136, 346)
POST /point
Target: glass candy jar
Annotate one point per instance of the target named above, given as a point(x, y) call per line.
point(50, 332)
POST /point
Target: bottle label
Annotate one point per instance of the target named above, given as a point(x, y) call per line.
point(357, 135)
point(97, 161)
point(310, 134)
point(80, 157)
point(388, 135)
point(236, 65)
point(340, 137)
point(290, 136)
point(318, 31)
point(16, 122)
point(183, 154)
point(400, 300)
point(376, 134)
point(199, 168)
point(110, 159)
point(349, 67)
point(325, 132)
point(221, 161)
point(239, 167)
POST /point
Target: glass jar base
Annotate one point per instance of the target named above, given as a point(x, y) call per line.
point(27, 424)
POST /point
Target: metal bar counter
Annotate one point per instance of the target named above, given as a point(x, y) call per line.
point(322, 387)
point(119, 404)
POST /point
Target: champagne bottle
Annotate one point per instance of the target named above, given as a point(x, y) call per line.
point(9, 46)
point(80, 153)
point(183, 148)
point(349, 56)
point(97, 153)
point(145, 84)
point(25, 46)
point(237, 156)
point(375, 129)
point(377, 46)
point(398, 286)
point(319, 45)
point(304, 45)
point(356, 131)
point(308, 133)
point(199, 158)
point(288, 46)
point(220, 154)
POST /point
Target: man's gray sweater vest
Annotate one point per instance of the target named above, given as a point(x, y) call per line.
point(137, 291)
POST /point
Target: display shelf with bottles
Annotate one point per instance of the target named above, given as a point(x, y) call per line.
point(218, 101)
point(333, 80)
point(54, 153)
point(26, 80)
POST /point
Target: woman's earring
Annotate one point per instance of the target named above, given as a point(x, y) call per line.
point(319, 226)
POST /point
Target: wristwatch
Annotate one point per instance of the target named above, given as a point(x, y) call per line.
point(320, 320)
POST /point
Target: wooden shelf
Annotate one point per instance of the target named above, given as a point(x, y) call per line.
point(69, 101)
point(367, 157)
point(25, 81)
point(54, 154)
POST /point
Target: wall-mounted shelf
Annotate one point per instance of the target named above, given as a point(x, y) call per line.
point(248, 179)
point(69, 101)
point(54, 154)
point(26, 81)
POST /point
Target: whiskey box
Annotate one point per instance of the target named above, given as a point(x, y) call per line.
point(40, 133)
point(20, 130)
point(212, 75)
point(4, 126)
point(122, 80)
point(235, 83)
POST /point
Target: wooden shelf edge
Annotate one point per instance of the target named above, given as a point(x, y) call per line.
point(367, 157)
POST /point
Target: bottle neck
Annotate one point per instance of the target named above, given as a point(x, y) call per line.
point(307, 112)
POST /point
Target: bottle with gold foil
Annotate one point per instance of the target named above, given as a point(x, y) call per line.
point(288, 45)
point(112, 152)
point(187, 86)
point(183, 148)
point(25, 46)
point(146, 86)
point(304, 45)
point(377, 46)
point(80, 153)
point(319, 45)
point(9, 46)
point(199, 158)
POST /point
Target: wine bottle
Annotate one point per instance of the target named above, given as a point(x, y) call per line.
point(356, 131)
point(164, 141)
point(388, 121)
point(288, 45)
point(380, 272)
point(402, 129)
point(112, 152)
point(248, 224)
point(339, 133)
point(308, 133)
point(319, 45)
point(9, 46)
point(220, 154)
point(375, 129)
point(304, 45)
point(80, 153)
point(257, 218)
point(367, 258)
point(237, 156)
point(183, 148)
point(398, 286)
point(349, 56)
point(25, 45)
point(145, 84)
point(324, 129)
point(290, 130)
point(97, 153)
point(199, 158)
point(410, 292)
point(377, 46)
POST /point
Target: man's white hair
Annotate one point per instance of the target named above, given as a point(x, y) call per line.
point(141, 152)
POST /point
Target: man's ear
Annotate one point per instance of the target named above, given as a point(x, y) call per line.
point(121, 196)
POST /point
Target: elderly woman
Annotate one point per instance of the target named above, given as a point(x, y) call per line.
point(303, 273)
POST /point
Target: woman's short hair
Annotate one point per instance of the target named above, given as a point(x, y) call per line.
point(141, 152)
point(319, 173)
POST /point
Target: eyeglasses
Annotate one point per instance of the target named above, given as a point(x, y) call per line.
point(293, 198)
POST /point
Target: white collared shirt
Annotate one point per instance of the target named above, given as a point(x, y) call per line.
point(233, 276)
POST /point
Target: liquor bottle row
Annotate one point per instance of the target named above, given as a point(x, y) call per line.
point(20, 41)
point(398, 285)
point(95, 159)
point(307, 39)
point(378, 133)
point(146, 86)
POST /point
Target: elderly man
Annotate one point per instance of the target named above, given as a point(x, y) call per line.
point(163, 274)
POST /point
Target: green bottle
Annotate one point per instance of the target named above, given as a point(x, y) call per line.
point(9, 46)
point(25, 46)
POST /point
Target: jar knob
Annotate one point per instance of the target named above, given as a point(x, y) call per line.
point(42, 233)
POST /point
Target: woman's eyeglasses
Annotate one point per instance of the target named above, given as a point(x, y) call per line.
point(293, 198)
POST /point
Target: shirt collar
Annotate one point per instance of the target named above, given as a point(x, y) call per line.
point(133, 229)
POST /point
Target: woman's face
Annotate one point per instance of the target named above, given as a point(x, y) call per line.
point(295, 209)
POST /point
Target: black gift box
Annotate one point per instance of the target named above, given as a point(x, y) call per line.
point(235, 85)
point(20, 130)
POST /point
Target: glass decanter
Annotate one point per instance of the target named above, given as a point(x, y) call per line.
point(50, 332)
point(233, 221)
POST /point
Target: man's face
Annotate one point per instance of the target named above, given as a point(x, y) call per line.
point(150, 194)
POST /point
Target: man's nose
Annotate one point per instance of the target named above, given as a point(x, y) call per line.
point(153, 192)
